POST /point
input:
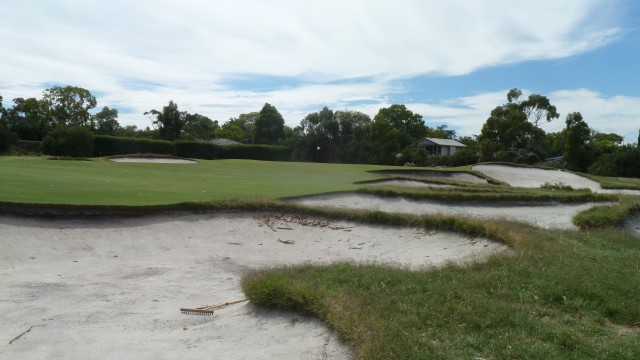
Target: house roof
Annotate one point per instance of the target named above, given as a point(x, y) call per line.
point(441, 142)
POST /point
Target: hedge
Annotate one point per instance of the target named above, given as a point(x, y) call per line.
point(112, 145)
point(106, 145)
point(202, 150)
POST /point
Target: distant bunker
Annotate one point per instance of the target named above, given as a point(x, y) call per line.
point(449, 175)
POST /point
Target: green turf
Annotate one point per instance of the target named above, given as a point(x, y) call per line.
point(38, 180)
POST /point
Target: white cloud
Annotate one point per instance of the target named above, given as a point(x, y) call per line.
point(138, 55)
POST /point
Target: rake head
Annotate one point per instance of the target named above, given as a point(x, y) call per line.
point(196, 311)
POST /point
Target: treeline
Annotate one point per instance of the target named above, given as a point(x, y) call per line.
point(61, 118)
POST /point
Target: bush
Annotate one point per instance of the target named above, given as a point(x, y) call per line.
point(71, 141)
point(463, 157)
point(28, 147)
point(204, 150)
point(113, 145)
point(626, 163)
point(7, 139)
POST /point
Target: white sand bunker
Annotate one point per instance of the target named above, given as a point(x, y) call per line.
point(152, 160)
point(547, 215)
point(406, 183)
point(111, 289)
point(450, 175)
point(533, 178)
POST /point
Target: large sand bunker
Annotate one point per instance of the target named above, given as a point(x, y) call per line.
point(533, 178)
point(547, 215)
point(111, 289)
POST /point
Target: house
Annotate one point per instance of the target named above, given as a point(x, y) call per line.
point(441, 147)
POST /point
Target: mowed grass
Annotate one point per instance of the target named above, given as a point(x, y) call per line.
point(103, 182)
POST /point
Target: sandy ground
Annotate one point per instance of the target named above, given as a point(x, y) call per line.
point(548, 215)
point(531, 177)
point(450, 175)
point(406, 183)
point(152, 160)
point(111, 289)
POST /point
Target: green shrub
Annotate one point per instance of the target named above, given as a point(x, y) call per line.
point(198, 150)
point(463, 157)
point(625, 163)
point(73, 141)
point(28, 147)
point(7, 139)
point(113, 145)
point(204, 150)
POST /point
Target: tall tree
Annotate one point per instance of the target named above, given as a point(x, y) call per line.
point(269, 125)
point(69, 105)
point(514, 125)
point(106, 121)
point(402, 118)
point(199, 127)
point(29, 119)
point(3, 111)
point(577, 154)
point(441, 132)
point(241, 129)
point(169, 122)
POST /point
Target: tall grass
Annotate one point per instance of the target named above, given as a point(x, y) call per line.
point(562, 295)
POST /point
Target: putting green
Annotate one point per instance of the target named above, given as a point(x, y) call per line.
point(102, 182)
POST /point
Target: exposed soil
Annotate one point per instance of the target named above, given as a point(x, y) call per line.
point(111, 288)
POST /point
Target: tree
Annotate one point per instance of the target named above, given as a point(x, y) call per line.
point(69, 105)
point(106, 121)
point(269, 125)
point(353, 132)
point(169, 122)
point(402, 118)
point(441, 132)
point(241, 129)
point(29, 119)
point(514, 125)
point(199, 127)
point(605, 143)
point(577, 154)
point(72, 141)
point(3, 111)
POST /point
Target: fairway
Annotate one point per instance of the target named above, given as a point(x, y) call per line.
point(102, 182)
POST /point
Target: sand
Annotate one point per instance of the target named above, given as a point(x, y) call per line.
point(449, 175)
point(534, 178)
point(546, 215)
point(406, 183)
point(111, 289)
point(152, 160)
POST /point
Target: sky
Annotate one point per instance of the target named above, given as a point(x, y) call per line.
point(451, 61)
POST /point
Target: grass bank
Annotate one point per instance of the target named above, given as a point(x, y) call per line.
point(562, 295)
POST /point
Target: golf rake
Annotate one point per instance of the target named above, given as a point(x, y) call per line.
point(208, 309)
